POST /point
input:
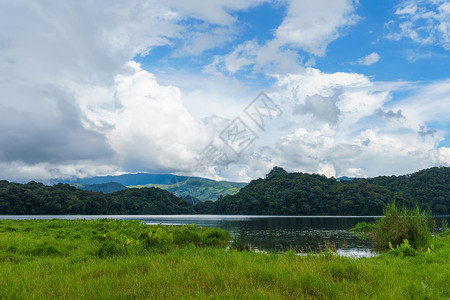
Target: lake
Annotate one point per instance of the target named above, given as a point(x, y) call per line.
point(303, 233)
point(265, 232)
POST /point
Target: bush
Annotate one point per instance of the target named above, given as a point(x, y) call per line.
point(397, 225)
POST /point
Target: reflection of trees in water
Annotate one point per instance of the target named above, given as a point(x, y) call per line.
point(301, 233)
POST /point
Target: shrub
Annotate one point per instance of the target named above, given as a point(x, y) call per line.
point(397, 225)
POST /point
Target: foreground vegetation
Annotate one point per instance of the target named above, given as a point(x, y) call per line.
point(119, 259)
point(400, 226)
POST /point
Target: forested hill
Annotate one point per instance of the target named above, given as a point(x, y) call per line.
point(61, 199)
point(430, 187)
point(282, 193)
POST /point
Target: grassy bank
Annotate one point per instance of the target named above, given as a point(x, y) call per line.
point(120, 259)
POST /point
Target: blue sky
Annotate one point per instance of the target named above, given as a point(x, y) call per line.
point(361, 88)
point(403, 59)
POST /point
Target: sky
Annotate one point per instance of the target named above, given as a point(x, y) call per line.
point(224, 89)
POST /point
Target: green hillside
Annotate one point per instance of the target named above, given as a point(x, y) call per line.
point(62, 199)
point(282, 193)
point(430, 187)
point(199, 188)
point(109, 187)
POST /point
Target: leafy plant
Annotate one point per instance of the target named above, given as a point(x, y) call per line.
point(404, 249)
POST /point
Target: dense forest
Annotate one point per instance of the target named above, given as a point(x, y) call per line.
point(282, 193)
point(429, 187)
point(38, 199)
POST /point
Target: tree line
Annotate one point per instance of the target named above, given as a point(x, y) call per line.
point(280, 193)
point(283, 193)
point(63, 199)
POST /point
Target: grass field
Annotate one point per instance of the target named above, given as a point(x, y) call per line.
point(107, 259)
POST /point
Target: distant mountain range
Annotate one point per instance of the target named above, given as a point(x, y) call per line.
point(109, 187)
point(193, 189)
point(199, 188)
point(130, 179)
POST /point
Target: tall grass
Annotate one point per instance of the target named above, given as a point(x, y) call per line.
point(195, 267)
point(398, 225)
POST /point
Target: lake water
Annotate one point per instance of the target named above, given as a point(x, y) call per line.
point(267, 232)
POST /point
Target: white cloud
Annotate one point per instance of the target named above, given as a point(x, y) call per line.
point(369, 59)
point(444, 155)
point(308, 26)
point(72, 103)
point(428, 103)
point(196, 40)
point(327, 170)
point(364, 135)
point(423, 22)
point(355, 173)
point(413, 56)
point(312, 25)
point(60, 107)
point(152, 129)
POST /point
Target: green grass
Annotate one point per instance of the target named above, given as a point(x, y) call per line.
point(64, 259)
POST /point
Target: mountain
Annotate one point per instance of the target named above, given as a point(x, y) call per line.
point(195, 188)
point(109, 187)
point(130, 179)
point(200, 188)
point(282, 193)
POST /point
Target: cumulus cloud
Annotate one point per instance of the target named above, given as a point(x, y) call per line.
point(355, 173)
point(62, 105)
point(328, 126)
point(152, 129)
point(369, 59)
point(444, 155)
point(73, 102)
